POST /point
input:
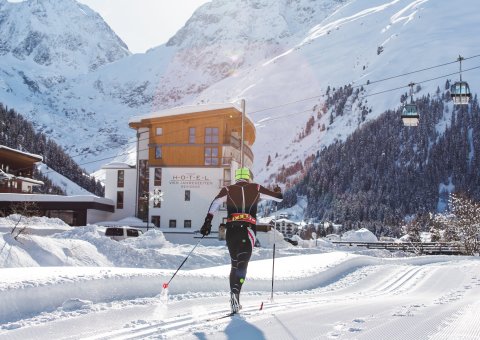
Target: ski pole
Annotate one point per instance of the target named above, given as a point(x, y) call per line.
point(165, 285)
point(273, 263)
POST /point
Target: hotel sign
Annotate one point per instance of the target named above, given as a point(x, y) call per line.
point(190, 180)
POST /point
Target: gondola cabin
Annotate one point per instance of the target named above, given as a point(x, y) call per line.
point(410, 115)
point(460, 93)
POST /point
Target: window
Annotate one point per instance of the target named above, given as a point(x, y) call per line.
point(172, 223)
point(156, 221)
point(158, 152)
point(157, 180)
point(114, 231)
point(132, 233)
point(211, 135)
point(191, 135)
point(120, 178)
point(187, 195)
point(211, 156)
point(159, 131)
point(187, 223)
point(119, 199)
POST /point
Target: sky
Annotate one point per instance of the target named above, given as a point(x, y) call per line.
point(143, 24)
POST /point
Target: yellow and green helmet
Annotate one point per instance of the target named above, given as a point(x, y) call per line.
point(243, 173)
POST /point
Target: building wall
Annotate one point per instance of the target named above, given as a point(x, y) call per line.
point(129, 190)
point(143, 141)
point(203, 183)
point(94, 216)
point(27, 187)
point(178, 150)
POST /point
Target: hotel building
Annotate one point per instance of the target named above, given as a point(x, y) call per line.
point(185, 155)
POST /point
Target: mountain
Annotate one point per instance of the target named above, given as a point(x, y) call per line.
point(281, 56)
point(385, 171)
point(100, 101)
point(45, 47)
point(49, 35)
point(60, 173)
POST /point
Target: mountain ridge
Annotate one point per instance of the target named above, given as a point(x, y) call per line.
point(284, 55)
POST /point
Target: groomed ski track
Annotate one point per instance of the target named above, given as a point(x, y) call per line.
point(344, 297)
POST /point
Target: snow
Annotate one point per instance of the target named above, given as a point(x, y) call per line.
point(279, 56)
point(361, 235)
point(70, 187)
point(77, 283)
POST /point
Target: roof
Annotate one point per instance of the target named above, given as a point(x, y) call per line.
point(118, 165)
point(180, 110)
point(6, 149)
point(53, 198)
point(30, 180)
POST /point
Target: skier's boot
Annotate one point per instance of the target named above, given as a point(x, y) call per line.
point(234, 303)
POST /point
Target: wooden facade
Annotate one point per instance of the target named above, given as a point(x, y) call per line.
point(185, 140)
point(17, 170)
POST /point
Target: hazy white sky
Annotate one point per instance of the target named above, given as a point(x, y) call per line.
point(143, 24)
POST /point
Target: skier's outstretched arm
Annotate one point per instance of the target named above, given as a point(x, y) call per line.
point(275, 195)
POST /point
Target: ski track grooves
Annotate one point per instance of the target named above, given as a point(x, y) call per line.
point(346, 289)
point(406, 277)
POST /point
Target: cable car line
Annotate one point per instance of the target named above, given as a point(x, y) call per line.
point(295, 113)
point(370, 83)
point(314, 97)
point(421, 82)
point(416, 71)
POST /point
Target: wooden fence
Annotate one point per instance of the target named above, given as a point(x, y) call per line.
point(424, 248)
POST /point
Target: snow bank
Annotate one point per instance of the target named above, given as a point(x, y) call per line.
point(34, 225)
point(361, 235)
point(267, 239)
point(69, 288)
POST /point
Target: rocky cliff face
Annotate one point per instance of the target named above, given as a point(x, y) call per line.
point(61, 35)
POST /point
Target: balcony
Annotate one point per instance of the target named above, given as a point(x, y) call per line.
point(6, 190)
point(236, 144)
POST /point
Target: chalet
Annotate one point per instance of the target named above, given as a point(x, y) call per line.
point(185, 155)
point(16, 193)
point(16, 170)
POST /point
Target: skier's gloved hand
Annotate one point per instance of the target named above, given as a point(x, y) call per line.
point(277, 189)
point(207, 225)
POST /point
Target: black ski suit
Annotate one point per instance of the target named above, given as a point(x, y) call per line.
point(242, 199)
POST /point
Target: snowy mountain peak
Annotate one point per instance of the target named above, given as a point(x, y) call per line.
point(251, 21)
point(58, 34)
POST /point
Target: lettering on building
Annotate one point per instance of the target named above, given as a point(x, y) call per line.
point(190, 180)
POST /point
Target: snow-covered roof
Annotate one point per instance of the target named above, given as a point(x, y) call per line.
point(287, 221)
point(127, 221)
point(53, 198)
point(38, 157)
point(30, 180)
point(118, 165)
point(180, 110)
point(4, 176)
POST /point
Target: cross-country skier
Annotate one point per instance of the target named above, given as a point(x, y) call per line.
point(242, 199)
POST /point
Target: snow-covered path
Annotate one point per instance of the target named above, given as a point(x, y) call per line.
point(337, 296)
